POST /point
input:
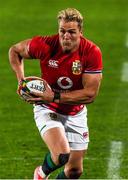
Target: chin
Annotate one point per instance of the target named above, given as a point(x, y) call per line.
point(66, 49)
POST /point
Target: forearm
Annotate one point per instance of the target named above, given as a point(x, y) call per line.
point(16, 62)
point(82, 96)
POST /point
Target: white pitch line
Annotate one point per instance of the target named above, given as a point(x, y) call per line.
point(114, 162)
point(126, 40)
point(124, 76)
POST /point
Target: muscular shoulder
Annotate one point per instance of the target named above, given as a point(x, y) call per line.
point(92, 56)
point(88, 47)
point(40, 45)
point(49, 40)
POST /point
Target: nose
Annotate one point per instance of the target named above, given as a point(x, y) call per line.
point(67, 35)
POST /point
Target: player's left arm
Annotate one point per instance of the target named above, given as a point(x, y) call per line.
point(91, 85)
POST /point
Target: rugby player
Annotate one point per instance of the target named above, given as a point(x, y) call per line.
point(72, 65)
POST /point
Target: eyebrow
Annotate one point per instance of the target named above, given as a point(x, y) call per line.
point(68, 29)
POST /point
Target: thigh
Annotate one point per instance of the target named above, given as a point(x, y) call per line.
point(56, 141)
point(52, 130)
point(77, 131)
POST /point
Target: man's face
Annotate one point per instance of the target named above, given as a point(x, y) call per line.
point(69, 35)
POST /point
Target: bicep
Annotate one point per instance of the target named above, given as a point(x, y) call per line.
point(92, 81)
point(21, 48)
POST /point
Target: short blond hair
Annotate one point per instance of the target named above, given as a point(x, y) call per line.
point(71, 14)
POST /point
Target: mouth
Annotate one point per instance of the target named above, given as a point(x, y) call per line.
point(66, 43)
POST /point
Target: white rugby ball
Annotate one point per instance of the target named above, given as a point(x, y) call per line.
point(30, 84)
point(35, 86)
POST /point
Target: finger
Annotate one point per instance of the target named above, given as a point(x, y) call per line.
point(33, 99)
point(30, 102)
point(17, 92)
point(36, 93)
point(21, 82)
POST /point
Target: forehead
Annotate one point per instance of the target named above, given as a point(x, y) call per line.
point(68, 25)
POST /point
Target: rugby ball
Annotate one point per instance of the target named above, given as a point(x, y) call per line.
point(30, 84)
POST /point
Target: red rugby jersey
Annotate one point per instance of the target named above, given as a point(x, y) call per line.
point(63, 71)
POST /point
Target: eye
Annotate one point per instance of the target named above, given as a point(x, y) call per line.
point(71, 31)
point(62, 31)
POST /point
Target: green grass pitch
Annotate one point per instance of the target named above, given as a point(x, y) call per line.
point(106, 23)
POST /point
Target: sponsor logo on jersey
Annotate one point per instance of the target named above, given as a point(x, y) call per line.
point(65, 82)
point(77, 67)
point(53, 63)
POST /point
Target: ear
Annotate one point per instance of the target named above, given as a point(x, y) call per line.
point(81, 33)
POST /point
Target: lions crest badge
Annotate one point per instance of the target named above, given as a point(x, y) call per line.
point(53, 116)
point(77, 67)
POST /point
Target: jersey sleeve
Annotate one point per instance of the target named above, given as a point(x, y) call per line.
point(94, 61)
point(38, 48)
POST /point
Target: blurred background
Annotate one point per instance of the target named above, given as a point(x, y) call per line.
point(106, 24)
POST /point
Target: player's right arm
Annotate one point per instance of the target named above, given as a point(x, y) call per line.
point(17, 53)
